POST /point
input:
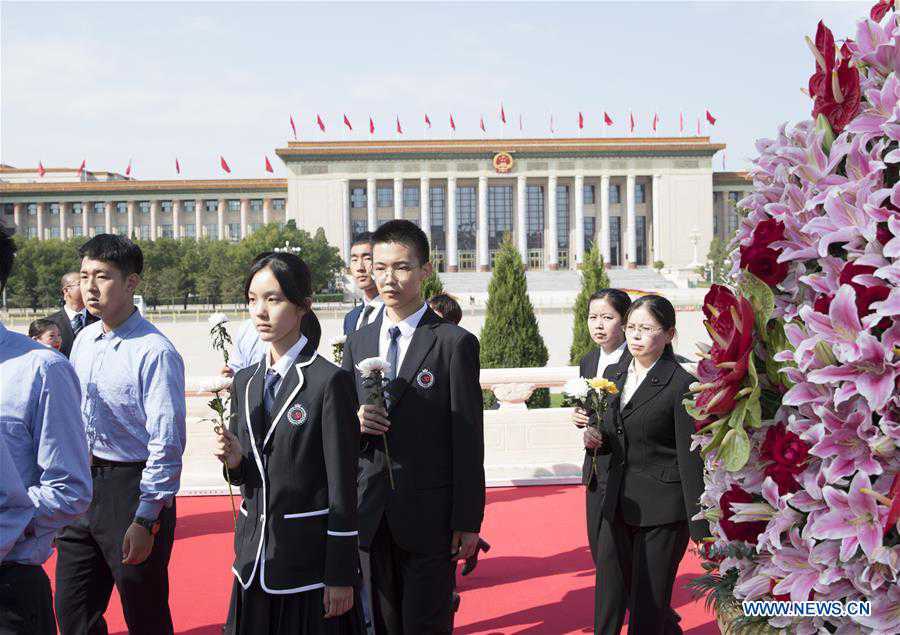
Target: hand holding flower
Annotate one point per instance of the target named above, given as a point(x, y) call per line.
point(228, 448)
point(580, 417)
point(593, 439)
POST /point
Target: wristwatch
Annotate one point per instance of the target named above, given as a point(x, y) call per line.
point(152, 526)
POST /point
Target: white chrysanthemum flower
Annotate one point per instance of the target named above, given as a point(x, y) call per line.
point(216, 319)
point(215, 384)
point(577, 388)
point(373, 365)
point(338, 340)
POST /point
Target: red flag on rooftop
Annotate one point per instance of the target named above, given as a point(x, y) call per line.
point(631, 122)
point(399, 127)
point(83, 165)
point(177, 166)
point(502, 113)
point(347, 122)
point(710, 118)
point(41, 170)
point(224, 164)
point(681, 122)
point(483, 129)
point(607, 119)
point(452, 123)
point(320, 122)
point(293, 127)
point(520, 123)
point(580, 121)
point(427, 121)
point(128, 169)
point(552, 131)
point(371, 125)
point(698, 126)
point(269, 166)
point(655, 121)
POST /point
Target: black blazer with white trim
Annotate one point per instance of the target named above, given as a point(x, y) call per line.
point(297, 527)
point(436, 440)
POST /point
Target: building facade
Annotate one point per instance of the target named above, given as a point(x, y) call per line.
point(641, 200)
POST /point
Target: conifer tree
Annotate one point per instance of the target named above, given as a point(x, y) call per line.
point(432, 286)
point(593, 278)
point(510, 336)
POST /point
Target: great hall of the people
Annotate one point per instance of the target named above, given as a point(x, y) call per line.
point(642, 200)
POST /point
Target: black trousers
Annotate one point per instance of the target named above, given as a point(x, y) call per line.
point(26, 603)
point(636, 569)
point(411, 592)
point(89, 562)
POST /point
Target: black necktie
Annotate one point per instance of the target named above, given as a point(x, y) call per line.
point(365, 316)
point(393, 353)
point(77, 322)
point(272, 378)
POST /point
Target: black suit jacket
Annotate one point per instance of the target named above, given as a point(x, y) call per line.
point(654, 477)
point(436, 440)
point(65, 329)
point(588, 369)
point(297, 477)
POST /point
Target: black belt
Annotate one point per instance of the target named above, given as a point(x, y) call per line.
point(96, 461)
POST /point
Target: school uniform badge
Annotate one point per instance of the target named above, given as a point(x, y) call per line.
point(425, 378)
point(297, 415)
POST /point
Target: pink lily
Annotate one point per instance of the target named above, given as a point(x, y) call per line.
point(840, 328)
point(838, 442)
point(855, 518)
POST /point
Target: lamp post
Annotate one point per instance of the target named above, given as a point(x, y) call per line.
point(289, 248)
point(695, 240)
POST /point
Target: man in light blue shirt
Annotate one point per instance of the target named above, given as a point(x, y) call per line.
point(44, 476)
point(248, 348)
point(133, 409)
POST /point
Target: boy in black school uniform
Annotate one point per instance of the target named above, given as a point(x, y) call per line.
point(433, 428)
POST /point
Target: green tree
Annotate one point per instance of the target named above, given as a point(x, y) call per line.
point(593, 278)
point(510, 337)
point(432, 286)
point(718, 262)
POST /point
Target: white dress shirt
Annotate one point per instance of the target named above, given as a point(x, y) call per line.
point(608, 359)
point(376, 303)
point(284, 363)
point(407, 328)
point(70, 313)
point(633, 381)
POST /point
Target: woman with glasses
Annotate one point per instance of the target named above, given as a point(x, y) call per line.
point(654, 480)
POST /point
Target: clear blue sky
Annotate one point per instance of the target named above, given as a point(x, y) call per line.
point(154, 81)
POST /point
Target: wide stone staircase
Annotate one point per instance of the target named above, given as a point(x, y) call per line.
point(643, 278)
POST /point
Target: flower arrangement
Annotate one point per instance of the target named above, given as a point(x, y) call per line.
point(219, 337)
point(337, 348)
point(593, 396)
point(797, 404)
point(374, 371)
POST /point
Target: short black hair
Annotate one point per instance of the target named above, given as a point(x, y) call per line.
point(41, 326)
point(117, 250)
point(446, 306)
point(7, 255)
point(619, 300)
point(363, 238)
point(406, 233)
point(661, 310)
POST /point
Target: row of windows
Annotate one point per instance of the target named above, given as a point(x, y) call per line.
point(121, 207)
point(164, 230)
point(384, 196)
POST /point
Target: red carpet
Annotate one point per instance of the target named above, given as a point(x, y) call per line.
point(537, 579)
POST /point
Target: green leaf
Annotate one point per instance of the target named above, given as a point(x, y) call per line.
point(735, 449)
point(761, 297)
point(716, 440)
point(822, 123)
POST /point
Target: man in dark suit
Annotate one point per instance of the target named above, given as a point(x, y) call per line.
point(73, 316)
point(361, 269)
point(433, 430)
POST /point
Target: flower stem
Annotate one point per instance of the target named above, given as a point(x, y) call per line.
point(387, 455)
point(231, 495)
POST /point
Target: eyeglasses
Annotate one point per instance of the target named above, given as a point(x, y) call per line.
point(644, 330)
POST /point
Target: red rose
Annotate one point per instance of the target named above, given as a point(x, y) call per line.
point(823, 303)
point(763, 263)
point(784, 478)
point(749, 531)
point(865, 295)
point(883, 233)
point(767, 232)
point(786, 455)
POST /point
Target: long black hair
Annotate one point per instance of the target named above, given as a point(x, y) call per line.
point(661, 310)
point(295, 281)
point(619, 300)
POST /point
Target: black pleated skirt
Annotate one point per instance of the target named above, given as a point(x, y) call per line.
point(254, 612)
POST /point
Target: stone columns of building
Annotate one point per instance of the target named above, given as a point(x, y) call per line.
point(154, 219)
point(63, 219)
point(176, 219)
point(198, 219)
point(131, 206)
point(40, 220)
point(551, 246)
point(522, 217)
point(631, 245)
point(86, 210)
point(424, 211)
point(107, 217)
point(371, 210)
point(345, 216)
point(221, 218)
point(451, 227)
point(398, 198)
point(656, 194)
point(267, 213)
point(604, 218)
point(579, 222)
point(17, 216)
point(484, 252)
point(245, 210)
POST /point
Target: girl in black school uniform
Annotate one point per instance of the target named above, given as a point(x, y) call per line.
point(292, 446)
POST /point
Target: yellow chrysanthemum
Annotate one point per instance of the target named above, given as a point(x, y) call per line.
point(603, 385)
